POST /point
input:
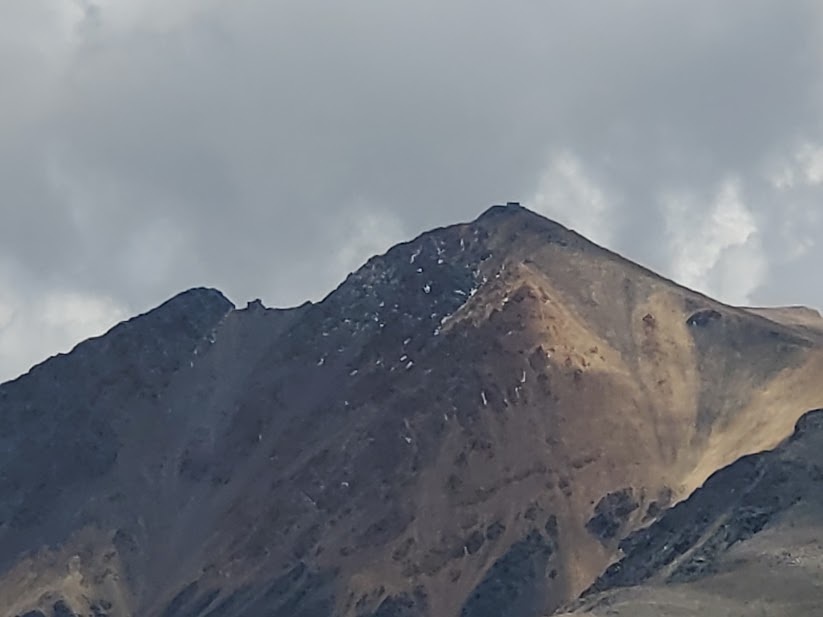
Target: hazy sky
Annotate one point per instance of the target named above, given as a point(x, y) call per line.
point(268, 147)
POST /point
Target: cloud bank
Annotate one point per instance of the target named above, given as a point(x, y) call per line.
point(267, 148)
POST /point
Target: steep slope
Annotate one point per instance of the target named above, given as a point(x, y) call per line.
point(750, 541)
point(468, 425)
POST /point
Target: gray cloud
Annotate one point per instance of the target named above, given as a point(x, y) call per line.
point(267, 148)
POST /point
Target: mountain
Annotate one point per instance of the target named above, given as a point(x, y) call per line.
point(480, 422)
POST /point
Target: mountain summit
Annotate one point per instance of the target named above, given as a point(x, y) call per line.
point(470, 425)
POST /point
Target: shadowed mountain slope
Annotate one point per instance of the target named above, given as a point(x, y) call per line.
point(469, 425)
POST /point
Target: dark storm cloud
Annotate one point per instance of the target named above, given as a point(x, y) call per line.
point(267, 148)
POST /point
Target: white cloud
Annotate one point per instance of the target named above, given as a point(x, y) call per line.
point(715, 249)
point(157, 246)
point(798, 230)
point(79, 315)
point(567, 193)
point(37, 324)
point(810, 160)
point(803, 167)
point(7, 313)
point(367, 231)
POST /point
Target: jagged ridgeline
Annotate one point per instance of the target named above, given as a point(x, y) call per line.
point(480, 422)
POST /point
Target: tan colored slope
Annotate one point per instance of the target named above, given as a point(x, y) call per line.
point(757, 376)
point(802, 316)
point(597, 384)
point(645, 400)
point(49, 576)
point(749, 542)
point(765, 420)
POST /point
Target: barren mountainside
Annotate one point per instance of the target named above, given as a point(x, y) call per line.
point(489, 420)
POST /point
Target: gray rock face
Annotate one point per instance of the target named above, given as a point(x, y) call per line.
point(60, 609)
point(516, 583)
point(403, 605)
point(63, 414)
point(65, 421)
point(611, 513)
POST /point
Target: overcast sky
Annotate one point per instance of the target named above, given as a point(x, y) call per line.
point(268, 147)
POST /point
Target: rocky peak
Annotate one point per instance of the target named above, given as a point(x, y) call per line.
point(427, 279)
